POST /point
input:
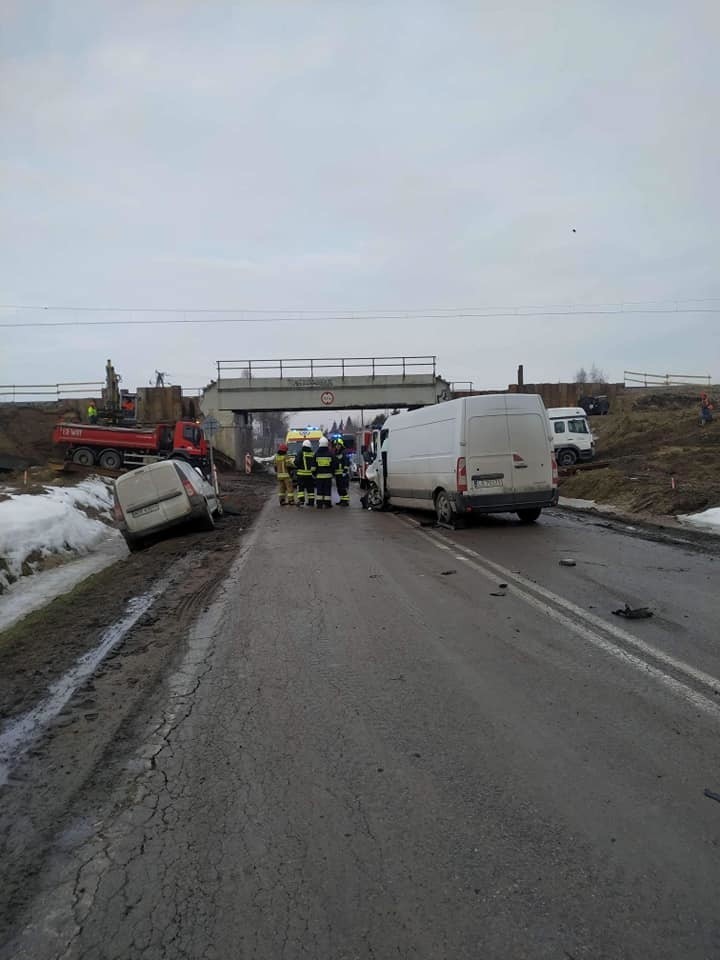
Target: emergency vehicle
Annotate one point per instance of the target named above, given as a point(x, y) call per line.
point(295, 437)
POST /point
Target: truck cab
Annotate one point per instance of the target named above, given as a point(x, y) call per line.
point(573, 440)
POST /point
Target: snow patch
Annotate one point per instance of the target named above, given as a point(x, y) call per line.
point(707, 520)
point(34, 527)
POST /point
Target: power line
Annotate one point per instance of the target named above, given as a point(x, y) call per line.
point(211, 315)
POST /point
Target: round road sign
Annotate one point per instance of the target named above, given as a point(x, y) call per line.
point(327, 398)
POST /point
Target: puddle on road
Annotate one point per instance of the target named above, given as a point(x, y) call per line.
point(20, 733)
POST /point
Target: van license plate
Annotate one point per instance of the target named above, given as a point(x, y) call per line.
point(145, 510)
point(497, 482)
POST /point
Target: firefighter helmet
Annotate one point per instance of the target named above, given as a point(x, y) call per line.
point(323, 442)
point(282, 448)
point(307, 445)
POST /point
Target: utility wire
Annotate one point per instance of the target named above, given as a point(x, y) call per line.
point(209, 315)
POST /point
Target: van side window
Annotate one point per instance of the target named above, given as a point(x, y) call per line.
point(559, 426)
point(577, 426)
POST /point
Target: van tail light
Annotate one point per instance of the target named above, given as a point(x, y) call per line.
point(555, 474)
point(461, 475)
point(189, 488)
point(118, 513)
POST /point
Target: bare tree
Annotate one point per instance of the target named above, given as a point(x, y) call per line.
point(581, 376)
point(597, 375)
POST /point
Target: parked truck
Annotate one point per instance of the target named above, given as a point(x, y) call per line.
point(116, 447)
point(573, 439)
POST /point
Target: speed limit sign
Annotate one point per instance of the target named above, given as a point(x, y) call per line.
point(327, 398)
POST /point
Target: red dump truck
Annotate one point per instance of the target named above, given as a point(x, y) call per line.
point(117, 447)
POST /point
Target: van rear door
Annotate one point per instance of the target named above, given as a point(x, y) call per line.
point(488, 454)
point(532, 455)
point(152, 496)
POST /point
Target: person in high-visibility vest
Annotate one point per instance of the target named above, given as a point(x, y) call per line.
point(305, 475)
point(92, 412)
point(342, 473)
point(282, 463)
point(325, 464)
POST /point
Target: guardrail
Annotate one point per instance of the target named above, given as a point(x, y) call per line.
point(633, 378)
point(325, 367)
point(48, 391)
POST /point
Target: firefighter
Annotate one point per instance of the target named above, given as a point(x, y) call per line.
point(92, 412)
point(304, 471)
point(342, 473)
point(325, 463)
point(282, 469)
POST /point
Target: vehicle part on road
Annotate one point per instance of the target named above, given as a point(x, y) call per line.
point(712, 795)
point(639, 613)
point(496, 593)
point(568, 563)
point(502, 586)
point(448, 573)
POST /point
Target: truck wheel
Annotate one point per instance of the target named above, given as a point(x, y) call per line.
point(110, 460)
point(566, 458)
point(84, 456)
point(530, 515)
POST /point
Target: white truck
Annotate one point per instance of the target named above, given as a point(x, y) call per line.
point(573, 440)
point(484, 454)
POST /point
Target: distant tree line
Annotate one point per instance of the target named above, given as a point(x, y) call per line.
point(596, 375)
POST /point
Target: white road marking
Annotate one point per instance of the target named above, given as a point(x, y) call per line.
point(524, 589)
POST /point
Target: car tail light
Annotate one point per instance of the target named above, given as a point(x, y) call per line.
point(189, 488)
point(461, 475)
point(555, 474)
point(117, 512)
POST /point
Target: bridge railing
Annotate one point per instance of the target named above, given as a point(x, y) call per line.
point(328, 367)
point(635, 379)
point(11, 392)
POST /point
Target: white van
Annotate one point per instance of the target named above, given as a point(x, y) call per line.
point(162, 495)
point(487, 454)
point(572, 437)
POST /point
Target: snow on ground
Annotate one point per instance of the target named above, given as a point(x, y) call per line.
point(53, 527)
point(707, 520)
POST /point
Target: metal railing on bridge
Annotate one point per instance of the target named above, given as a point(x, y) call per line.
point(27, 392)
point(635, 379)
point(335, 367)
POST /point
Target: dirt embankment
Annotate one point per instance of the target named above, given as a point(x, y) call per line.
point(26, 430)
point(650, 439)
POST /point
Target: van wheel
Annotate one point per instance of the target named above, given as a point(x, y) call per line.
point(374, 498)
point(443, 508)
point(84, 456)
point(110, 460)
point(566, 458)
point(207, 521)
point(134, 544)
point(529, 516)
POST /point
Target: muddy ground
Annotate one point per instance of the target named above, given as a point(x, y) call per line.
point(85, 743)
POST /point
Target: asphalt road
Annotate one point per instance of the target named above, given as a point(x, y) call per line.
point(373, 750)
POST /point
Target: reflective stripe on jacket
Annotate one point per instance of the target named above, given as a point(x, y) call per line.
point(282, 462)
point(324, 465)
point(305, 463)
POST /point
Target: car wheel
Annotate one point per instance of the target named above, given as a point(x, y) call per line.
point(530, 515)
point(84, 456)
point(110, 460)
point(134, 544)
point(443, 508)
point(566, 458)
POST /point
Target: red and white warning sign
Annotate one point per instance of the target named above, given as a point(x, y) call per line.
point(327, 398)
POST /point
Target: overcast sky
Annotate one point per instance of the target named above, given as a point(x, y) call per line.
point(359, 154)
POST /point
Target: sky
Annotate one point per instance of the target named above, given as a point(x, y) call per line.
point(450, 161)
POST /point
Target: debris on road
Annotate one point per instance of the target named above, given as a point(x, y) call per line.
point(448, 573)
point(497, 593)
point(567, 562)
point(711, 795)
point(639, 613)
point(502, 586)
